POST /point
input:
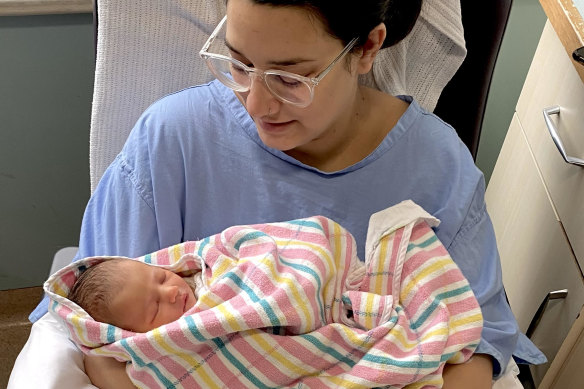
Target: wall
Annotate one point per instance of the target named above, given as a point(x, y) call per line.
point(521, 37)
point(46, 86)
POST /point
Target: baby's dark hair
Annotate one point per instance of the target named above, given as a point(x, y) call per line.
point(347, 19)
point(95, 287)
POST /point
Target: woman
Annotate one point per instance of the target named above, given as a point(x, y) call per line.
point(283, 147)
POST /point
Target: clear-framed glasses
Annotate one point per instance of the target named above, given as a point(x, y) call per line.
point(285, 86)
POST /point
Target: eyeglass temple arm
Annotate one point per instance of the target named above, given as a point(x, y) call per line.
point(213, 35)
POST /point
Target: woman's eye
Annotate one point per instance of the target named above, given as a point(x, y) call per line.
point(238, 69)
point(289, 82)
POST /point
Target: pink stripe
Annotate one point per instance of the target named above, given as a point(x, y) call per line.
point(417, 261)
point(68, 279)
point(463, 306)
point(415, 304)
point(420, 229)
point(259, 361)
point(144, 377)
point(162, 256)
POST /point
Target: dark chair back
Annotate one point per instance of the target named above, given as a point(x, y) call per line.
point(463, 101)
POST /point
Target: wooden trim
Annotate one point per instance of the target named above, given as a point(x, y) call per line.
point(574, 337)
point(44, 7)
point(568, 24)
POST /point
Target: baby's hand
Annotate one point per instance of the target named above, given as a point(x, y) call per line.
point(106, 373)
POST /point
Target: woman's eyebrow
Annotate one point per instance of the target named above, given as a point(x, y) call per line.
point(287, 62)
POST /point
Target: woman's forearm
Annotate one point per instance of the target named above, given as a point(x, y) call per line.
point(107, 373)
point(477, 373)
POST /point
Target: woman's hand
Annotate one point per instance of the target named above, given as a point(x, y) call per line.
point(476, 373)
point(106, 373)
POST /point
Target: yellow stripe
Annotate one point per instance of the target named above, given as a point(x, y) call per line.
point(160, 341)
point(109, 353)
point(381, 262)
point(364, 342)
point(79, 329)
point(419, 277)
point(230, 319)
point(202, 374)
point(293, 287)
point(314, 247)
point(466, 320)
point(177, 252)
point(442, 332)
point(369, 301)
point(59, 290)
point(208, 300)
point(220, 267)
point(271, 351)
point(286, 361)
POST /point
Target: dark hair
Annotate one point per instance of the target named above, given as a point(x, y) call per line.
point(347, 19)
point(95, 287)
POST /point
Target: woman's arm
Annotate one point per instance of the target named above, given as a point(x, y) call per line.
point(106, 373)
point(476, 373)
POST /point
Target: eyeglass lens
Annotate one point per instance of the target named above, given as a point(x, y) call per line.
point(284, 87)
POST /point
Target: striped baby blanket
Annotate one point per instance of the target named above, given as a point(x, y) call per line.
point(289, 304)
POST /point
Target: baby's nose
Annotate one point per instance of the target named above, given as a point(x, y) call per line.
point(171, 293)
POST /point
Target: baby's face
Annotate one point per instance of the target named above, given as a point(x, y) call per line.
point(150, 297)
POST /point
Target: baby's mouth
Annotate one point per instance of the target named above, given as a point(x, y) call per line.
point(185, 298)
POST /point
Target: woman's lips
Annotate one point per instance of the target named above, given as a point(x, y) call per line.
point(274, 127)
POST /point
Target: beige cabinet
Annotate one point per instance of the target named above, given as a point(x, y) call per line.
point(536, 201)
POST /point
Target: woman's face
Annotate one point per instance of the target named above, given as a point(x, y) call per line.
point(291, 39)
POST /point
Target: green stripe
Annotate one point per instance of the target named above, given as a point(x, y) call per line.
point(423, 244)
point(306, 223)
point(249, 236)
point(111, 330)
point(428, 311)
point(405, 364)
point(193, 328)
point(137, 360)
point(238, 365)
point(328, 350)
point(316, 277)
point(254, 297)
point(202, 245)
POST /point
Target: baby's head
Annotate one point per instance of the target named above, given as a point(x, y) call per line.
point(132, 295)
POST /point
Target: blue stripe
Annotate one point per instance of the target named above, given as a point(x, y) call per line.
point(428, 311)
point(202, 245)
point(254, 297)
point(148, 258)
point(306, 223)
point(193, 328)
point(249, 236)
point(423, 244)
point(111, 331)
point(316, 277)
point(328, 350)
point(136, 359)
point(238, 365)
point(406, 364)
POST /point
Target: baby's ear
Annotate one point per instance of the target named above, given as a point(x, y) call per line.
point(371, 47)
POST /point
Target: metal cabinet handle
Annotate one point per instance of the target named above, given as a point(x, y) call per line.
point(557, 294)
point(555, 110)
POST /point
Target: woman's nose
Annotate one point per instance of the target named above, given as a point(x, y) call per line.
point(259, 101)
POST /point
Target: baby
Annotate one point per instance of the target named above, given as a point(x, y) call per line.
point(134, 295)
